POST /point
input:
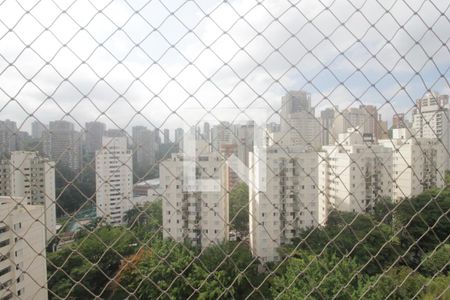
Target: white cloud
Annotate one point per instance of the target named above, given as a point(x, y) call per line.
point(154, 57)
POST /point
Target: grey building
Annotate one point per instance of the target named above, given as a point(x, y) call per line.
point(62, 143)
point(144, 146)
point(166, 136)
point(94, 134)
point(326, 122)
point(8, 136)
point(37, 129)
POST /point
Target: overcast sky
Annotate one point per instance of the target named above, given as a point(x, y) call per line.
point(168, 63)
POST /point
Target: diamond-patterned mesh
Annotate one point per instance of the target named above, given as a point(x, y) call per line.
point(224, 149)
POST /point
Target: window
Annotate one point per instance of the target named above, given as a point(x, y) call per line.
point(4, 257)
point(5, 285)
point(17, 226)
point(19, 279)
point(10, 296)
point(5, 271)
point(3, 229)
point(18, 253)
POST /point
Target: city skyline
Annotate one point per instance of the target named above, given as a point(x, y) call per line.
point(213, 120)
point(144, 69)
point(224, 149)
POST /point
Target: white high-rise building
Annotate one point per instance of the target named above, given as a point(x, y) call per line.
point(23, 266)
point(114, 180)
point(223, 134)
point(299, 126)
point(431, 119)
point(28, 175)
point(288, 201)
point(364, 117)
point(418, 163)
point(200, 216)
point(353, 174)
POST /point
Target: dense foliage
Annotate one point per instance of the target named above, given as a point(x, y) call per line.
point(74, 190)
point(396, 252)
point(239, 208)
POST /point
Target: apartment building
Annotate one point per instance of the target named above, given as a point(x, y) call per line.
point(364, 117)
point(94, 133)
point(114, 180)
point(37, 129)
point(8, 136)
point(418, 163)
point(23, 266)
point(166, 136)
point(62, 143)
point(196, 211)
point(354, 173)
point(326, 123)
point(285, 202)
point(28, 175)
point(431, 119)
point(399, 121)
point(299, 126)
point(144, 146)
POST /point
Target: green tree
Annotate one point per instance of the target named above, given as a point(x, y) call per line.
point(225, 271)
point(359, 236)
point(239, 209)
point(84, 269)
point(437, 262)
point(422, 227)
point(74, 190)
point(160, 272)
point(438, 289)
point(149, 214)
point(324, 277)
point(383, 211)
point(398, 283)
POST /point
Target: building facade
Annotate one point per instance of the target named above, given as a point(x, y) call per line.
point(288, 202)
point(199, 216)
point(114, 180)
point(63, 144)
point(144, 146)
point(94, 134)
point(365, 118)
point(23, 265)
point(37, 130)
point(166, 135)
point(431, 119)
point(179, 132)
point(32, 177)
point(299, 126)
point(354, 174)
point(326, 124)
point(399, 121)
point(418, 163)
point(8, 136)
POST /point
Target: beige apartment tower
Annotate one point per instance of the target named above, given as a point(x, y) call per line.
point(23, 265)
